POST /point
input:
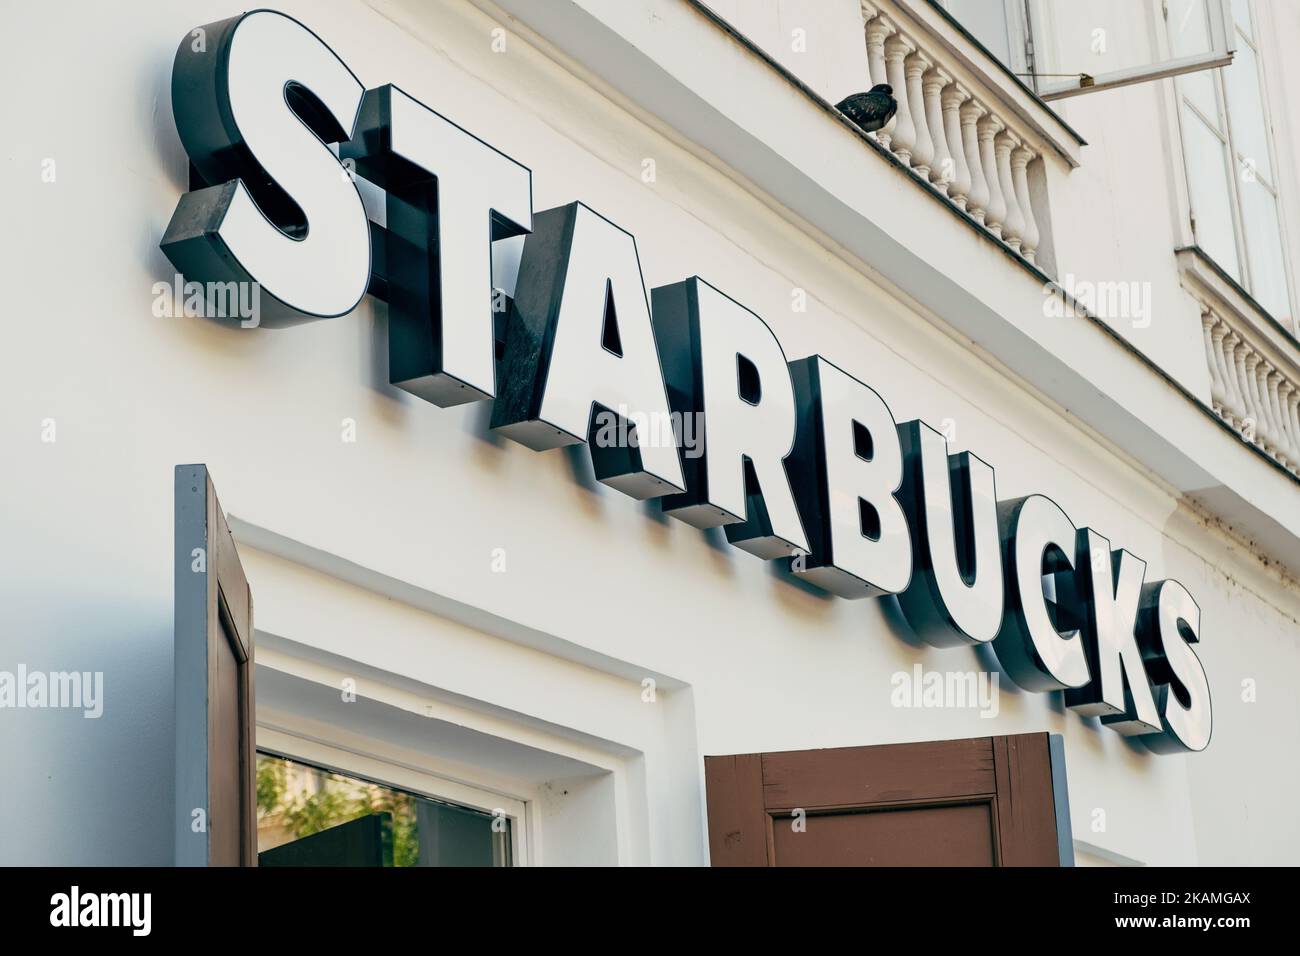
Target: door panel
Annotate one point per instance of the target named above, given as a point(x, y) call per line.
point(226, 765)
point(215, 800)
point(954, 835)
point(987, 801)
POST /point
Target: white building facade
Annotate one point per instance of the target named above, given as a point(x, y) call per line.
point(1093, 294)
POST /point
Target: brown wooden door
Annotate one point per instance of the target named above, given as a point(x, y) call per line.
point(216, 811)
point(987, 801)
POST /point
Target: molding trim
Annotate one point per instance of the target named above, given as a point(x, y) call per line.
point(307, 556)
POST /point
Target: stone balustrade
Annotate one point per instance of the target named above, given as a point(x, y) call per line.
point(960, 138)
point(1253, 387)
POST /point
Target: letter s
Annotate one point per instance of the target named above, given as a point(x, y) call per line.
point(1170, 623)
point(255, 109)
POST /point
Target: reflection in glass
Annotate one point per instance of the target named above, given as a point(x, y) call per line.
point(310, 816)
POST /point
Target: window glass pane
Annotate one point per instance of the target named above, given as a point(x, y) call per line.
point(307, 816)
point(1112, 41)
point(1246, 112)
point(1189, 33)
point(1264, 250)
point(1103, 36)
point(1208, 182)
point(987, 22)
point(1199, 90)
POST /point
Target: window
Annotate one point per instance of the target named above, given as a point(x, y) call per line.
point(1232, 179)
point(308, 816)
point(997, 24)
point(1066, 48)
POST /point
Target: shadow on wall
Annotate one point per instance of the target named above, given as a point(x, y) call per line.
point(87, 790)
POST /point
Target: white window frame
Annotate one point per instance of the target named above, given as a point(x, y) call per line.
point(1273, 184)
point(378, 768)
point(1026, 43)
point(1222, 47)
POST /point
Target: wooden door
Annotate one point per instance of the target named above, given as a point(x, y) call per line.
point(987, 801)
point(216, 810)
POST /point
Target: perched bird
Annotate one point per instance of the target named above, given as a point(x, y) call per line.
point(870, 111)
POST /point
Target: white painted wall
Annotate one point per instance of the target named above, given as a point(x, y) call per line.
point(599, 589)
point(819, 41)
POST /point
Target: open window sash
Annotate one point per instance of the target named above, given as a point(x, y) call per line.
point(1081, 48)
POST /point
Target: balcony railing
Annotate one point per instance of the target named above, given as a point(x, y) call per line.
point(1252, 360)
point(964, 126)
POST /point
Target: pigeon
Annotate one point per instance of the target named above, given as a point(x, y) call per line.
point(870, 111)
